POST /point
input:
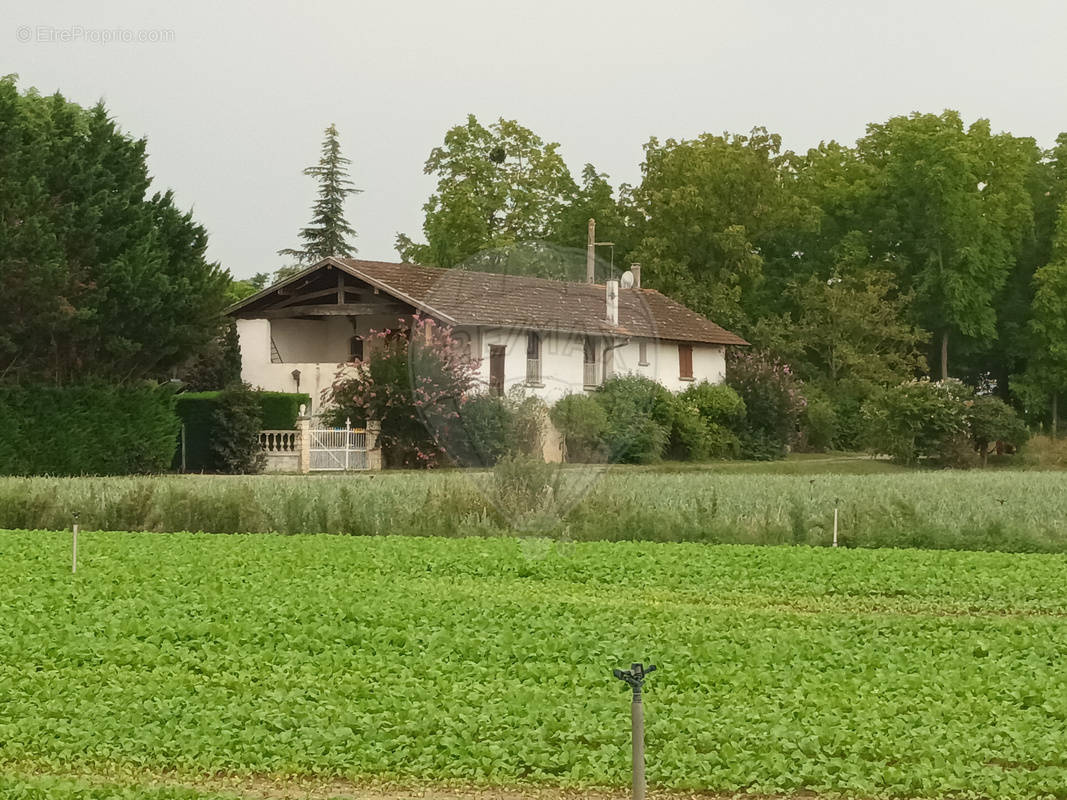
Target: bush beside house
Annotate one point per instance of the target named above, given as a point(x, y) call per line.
point(774, 404)
point(490, 429)
point(222, 427)
point(583, 424)
point(632, 419)
point(90, 429)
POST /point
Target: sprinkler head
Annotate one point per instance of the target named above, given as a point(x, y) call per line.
point(635, 676)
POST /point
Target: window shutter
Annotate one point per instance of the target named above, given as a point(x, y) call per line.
point(685, 361)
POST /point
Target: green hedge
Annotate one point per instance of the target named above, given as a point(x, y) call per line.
point(92, 429)
point(278, 410)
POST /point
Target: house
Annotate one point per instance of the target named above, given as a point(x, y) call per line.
point(550, 337)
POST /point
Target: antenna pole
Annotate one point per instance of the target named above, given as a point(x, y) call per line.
point(590, 253)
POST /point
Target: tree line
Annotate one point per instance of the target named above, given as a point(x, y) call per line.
point(926, 247)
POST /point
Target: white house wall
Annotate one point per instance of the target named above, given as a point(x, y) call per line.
point(258, 371)
point(311, 340)
point(562, 361)
point(318, 348)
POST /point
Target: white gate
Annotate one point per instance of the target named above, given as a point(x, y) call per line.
point(338, 449)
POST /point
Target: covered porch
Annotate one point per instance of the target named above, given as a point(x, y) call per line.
point(297, 335)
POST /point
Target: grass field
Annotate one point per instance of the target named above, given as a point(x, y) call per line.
point(487, 662)
point(1015, 511)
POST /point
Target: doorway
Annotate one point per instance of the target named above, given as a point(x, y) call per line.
point(496, 369)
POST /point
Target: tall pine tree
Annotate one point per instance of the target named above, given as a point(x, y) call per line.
point(328, 233)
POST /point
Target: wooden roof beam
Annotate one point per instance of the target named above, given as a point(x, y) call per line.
point(330, 310)
point(300, 298)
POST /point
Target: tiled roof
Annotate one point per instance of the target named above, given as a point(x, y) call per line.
point(464, 297)
point(485, 298)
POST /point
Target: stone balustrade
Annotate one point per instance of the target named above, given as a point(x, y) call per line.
point(290, 450)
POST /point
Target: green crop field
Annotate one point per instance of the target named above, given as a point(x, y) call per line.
point(487, 662)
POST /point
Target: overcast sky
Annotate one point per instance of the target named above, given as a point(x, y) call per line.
point(235, 103)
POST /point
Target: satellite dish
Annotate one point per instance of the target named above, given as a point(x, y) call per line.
point(627, 280)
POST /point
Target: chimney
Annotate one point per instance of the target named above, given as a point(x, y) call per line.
point(590, 253)
point(612, 296)
point(636, 270)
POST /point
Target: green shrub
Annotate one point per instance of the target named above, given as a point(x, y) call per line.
point(198, 413)
point(773, 403)
point(818, 424)
point(688, 439)
point(918, 420)
point(583, 424)
point(489, 428)
point(91, 429)
point(847, 399)
point(236, 423)
point(279, 410)
point(706, 417)
point(716, 403)
point(480, 436)
point(991, 420)
point(529, 416)
point(640, 415)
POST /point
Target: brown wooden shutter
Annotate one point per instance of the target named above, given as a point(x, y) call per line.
point(685, 361)
point(496, 369)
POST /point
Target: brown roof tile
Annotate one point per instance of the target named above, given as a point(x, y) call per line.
point(482, 298)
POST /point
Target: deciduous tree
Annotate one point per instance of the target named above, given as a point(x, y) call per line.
point(1048, 324)
point(954, 207)
point(707, 207)
point(496, 186)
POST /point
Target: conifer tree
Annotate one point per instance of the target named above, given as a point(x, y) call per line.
point(328, 233)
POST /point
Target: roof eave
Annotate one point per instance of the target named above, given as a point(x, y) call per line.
point(385, 287)
point(273, 287)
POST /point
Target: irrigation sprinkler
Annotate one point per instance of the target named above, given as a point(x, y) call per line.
point(74, 555)
point(634, 677)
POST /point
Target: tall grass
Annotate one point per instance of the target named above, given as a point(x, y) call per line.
point(989, 510)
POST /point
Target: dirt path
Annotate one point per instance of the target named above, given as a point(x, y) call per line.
point(310, 788)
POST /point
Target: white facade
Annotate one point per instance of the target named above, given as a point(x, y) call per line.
point(562, 364)
point(272, 349)
point(303, 342)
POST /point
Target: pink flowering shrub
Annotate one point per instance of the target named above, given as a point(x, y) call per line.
point(414, 381)
point(774, 401)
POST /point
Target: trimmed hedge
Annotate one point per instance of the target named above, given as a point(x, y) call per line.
point(90, 429)
point(278, 411)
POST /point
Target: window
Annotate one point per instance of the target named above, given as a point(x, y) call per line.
point(642, 354)
point(355, 348)
point(533, 358)
point(589, 376)
point(685, 362)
